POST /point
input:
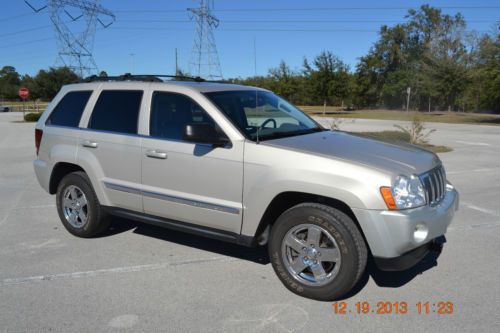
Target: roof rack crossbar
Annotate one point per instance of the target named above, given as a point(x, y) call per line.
point(141, 77)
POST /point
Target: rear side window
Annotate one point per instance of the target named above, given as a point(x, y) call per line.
point(69, 110)
point(171, 112)
point(117, 111)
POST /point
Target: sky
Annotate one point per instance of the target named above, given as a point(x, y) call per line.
point(146, 33)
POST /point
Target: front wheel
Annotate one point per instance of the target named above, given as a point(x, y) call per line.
point(317, 251)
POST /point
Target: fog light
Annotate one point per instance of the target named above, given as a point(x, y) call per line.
point(420, 233)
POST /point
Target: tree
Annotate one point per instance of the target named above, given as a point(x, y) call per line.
point(47, 83)
point(484, 91)
point(9, 82)
point(328, 77)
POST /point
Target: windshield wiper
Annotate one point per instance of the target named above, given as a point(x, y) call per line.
point(277, 135)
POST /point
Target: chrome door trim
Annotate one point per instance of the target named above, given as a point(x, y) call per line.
point(175, 199)
point(122, 188)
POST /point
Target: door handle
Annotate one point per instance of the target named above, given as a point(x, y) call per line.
point(89, 144)
point(156, 154)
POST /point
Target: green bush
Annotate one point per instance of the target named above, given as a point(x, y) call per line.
point(33, 116)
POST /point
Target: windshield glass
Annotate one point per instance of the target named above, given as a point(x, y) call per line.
point(262, 115)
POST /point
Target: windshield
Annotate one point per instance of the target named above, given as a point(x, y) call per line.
point(261, 115)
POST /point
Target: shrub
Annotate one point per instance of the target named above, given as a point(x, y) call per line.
point(416, 130)
point(33, 116)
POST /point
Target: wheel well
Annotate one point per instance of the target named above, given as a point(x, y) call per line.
point(60, 170)
point(286, 200)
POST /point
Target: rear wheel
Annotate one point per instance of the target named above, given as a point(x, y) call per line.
point(317, 251)
point(78, 206)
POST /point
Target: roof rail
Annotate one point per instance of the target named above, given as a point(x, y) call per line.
point(141, 77)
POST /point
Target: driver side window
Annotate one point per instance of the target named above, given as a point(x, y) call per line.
point(171, 112)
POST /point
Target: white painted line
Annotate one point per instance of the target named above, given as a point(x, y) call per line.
point(481, 209)
point(470, 143)
point(473, 170)
point(35, 206)
point(17, 201)
point(107, 271)
point(475, 226)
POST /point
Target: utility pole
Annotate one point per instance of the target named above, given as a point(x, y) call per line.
point(204, 60)
point(408, 92)
point(75, 43)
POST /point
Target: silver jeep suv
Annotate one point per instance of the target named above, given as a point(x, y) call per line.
point(242, 165)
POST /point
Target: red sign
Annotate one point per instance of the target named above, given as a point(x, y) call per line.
point(24, 93)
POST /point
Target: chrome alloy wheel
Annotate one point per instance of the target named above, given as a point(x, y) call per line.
point(310, 254)
point(75, 206)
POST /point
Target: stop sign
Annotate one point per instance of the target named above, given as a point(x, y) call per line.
point(24, 93)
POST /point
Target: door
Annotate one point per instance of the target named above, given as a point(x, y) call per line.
point(185, 181)
point(111, 147)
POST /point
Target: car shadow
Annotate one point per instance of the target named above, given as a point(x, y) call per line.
point(395, 279)
point(384, 279)
point(255, 254)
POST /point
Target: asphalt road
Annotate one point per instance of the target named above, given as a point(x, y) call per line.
point(142, 278)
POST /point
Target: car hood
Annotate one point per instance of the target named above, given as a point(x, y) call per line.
point(395, 158)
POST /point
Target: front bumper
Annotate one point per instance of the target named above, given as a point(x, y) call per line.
point(391, 234)
point(408, 259)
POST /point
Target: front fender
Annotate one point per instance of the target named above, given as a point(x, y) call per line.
point(262, 187)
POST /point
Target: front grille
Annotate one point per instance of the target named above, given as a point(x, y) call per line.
point(434, 183)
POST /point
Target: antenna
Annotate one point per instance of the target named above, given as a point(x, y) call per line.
point(204, 60)
point(75, 44)
point(176, 63)
point(255, 55)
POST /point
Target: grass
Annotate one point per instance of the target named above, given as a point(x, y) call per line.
point(438, 117)
point(398, 136)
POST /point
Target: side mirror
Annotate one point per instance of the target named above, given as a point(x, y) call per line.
point(203, 133)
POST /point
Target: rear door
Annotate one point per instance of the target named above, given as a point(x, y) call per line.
point(111, 147)
point(185, 181)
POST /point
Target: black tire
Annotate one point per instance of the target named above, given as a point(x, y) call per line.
point(351, 245)
point(97, 220)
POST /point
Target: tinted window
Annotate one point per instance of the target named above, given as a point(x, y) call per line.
point(69, 110)
point(117, 111)
point(170, 113)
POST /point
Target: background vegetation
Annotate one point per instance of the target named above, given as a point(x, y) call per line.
point(446, 67)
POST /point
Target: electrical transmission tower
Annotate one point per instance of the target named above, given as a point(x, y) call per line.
point(204, 60)
point(75, 23)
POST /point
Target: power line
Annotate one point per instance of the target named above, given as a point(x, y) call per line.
point(5, 19)
point(245, 21)
point(293, 21)
point(257, 29)
point(27, 42)
point(301, 9)
point(26, 30)
point(249, 29)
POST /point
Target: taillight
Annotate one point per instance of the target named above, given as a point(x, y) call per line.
point(38, 139)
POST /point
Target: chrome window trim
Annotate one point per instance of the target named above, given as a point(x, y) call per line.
point(171, 198)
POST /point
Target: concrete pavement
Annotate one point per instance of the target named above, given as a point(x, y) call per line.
point(142, 278)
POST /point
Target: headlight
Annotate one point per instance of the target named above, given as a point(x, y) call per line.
point(406, 192)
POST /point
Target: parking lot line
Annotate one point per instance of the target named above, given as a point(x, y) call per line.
point(470, 143)
point(473, 170)
point(107, 271)
point(481, 209)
